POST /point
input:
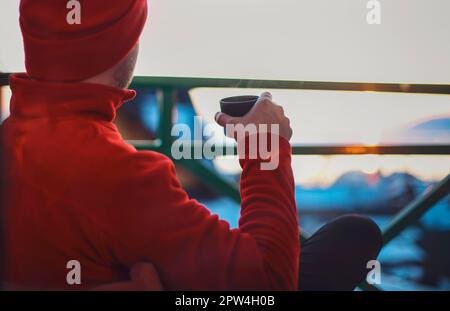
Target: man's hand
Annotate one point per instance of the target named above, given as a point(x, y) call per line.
point(265, 111)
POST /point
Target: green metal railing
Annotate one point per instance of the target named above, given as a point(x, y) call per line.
point(169, 88)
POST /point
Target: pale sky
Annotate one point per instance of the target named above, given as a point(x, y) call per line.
point(332, 117)
point(320, 40)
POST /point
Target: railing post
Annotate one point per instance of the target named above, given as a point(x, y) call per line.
point(166, 100)
point(415, 210)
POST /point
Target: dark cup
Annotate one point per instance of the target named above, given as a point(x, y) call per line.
point(238, 106)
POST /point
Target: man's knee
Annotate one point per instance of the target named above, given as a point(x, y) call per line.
point(361, 231)
point(336, 256)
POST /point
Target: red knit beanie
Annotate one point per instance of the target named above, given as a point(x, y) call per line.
point(56, 49)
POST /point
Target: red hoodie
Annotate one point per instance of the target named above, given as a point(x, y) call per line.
point(77, 191)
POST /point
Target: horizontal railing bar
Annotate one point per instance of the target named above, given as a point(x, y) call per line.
point(332, 150)
point(146, 144)
point(189, 83)
point(416, 209)
point(376, 150)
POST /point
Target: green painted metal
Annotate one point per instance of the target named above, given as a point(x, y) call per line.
point(190, 83)
point(167, 99)
point(335, 150)
point(416, 209)
point(150, 145)
point(212, 179)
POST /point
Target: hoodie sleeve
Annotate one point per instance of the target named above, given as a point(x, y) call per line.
point(157, 222)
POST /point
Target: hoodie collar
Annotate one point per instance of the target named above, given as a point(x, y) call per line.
point(34, 99)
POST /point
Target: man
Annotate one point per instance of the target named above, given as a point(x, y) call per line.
point(77, 191)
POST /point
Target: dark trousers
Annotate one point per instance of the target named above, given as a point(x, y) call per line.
point(335, 257)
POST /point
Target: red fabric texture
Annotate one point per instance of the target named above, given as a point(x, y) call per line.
point(77, 191)
point(58, 51)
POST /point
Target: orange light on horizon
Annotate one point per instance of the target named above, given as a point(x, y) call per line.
point(322, 171)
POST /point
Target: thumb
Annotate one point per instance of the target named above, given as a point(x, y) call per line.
point(223, 119)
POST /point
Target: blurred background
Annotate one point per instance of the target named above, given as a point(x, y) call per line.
point(322, 40)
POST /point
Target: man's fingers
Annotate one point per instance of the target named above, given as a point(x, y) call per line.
point(223, 119)
point(264, 99)
point(265, 95)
